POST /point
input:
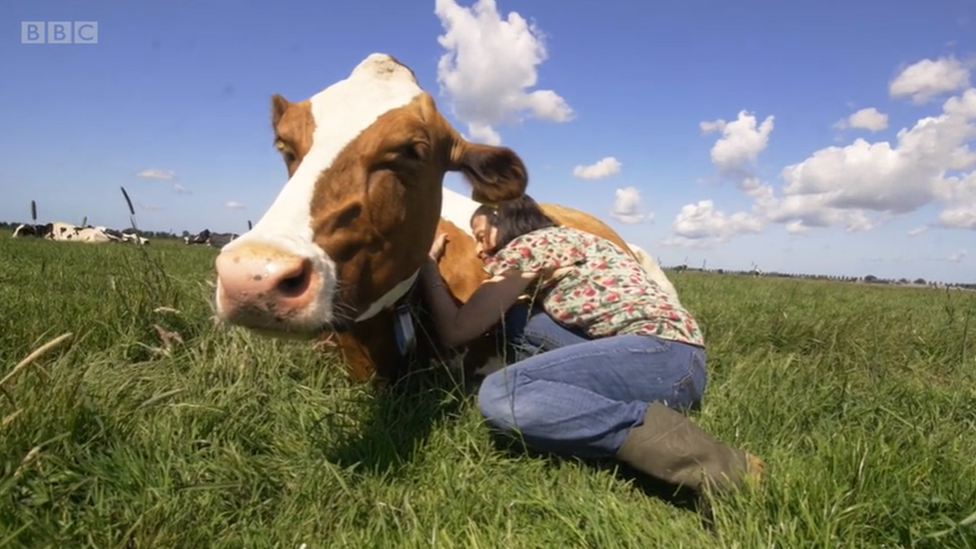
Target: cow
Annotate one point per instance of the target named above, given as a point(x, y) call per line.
point(219, 240)
point(125, 235)
point(200, 238)
point(116, 236)
point(28, 229)
point(59, 230)
point(90, 235)
point(135, 239)
point(214, 240)
point(66, 232)
point(654, 271)
point(339, 250)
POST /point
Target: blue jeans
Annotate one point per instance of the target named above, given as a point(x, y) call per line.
point(579, 396)
point(529, 330)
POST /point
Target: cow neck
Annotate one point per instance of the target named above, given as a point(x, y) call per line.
point(399, 301)
point(391, 298)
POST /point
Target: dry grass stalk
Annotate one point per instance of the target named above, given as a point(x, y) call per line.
point(33, 356)
point(167, 338)
point(27, 461)
point(10, 418)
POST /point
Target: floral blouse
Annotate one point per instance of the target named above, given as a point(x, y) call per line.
point(590, 283)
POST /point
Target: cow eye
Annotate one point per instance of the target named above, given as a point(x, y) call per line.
point(286, 152)
point(284, 148)
point(415, 150)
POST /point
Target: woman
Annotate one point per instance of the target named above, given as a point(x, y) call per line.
point(625, 357)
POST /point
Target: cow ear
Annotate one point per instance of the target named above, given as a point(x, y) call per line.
point(278, 107)
point(494, 173)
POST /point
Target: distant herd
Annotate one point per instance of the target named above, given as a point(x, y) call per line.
point(66, 232)
point(216, 240)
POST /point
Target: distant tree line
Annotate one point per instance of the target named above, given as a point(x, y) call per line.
point(868, 279)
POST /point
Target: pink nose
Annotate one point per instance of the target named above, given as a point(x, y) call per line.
point(264, 288)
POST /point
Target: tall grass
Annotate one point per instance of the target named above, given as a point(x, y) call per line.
point(862, 400)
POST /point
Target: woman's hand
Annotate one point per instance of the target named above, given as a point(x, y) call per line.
point(437, 249)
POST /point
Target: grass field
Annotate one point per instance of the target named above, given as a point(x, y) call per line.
point(862, 400)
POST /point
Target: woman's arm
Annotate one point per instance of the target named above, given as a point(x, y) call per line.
point(487, 305)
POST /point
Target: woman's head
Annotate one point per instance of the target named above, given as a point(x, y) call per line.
point(494, 226)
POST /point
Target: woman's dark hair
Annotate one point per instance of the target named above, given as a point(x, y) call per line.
point(514, 218)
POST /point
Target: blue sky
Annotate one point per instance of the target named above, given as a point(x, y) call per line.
point(181, 90)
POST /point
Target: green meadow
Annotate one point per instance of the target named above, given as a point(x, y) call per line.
point(149, 425)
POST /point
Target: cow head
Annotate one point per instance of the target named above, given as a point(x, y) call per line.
point(346, 235)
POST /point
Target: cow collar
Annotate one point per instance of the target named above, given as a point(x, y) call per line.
point(403, 321)
point(391, 298)
point(398, 300)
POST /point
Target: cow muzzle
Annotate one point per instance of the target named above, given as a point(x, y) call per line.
point(268, 289)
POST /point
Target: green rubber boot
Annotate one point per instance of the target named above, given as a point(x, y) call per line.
point(670, 447)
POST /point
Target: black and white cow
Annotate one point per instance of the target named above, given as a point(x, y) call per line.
point(125, 235)
point(66, 232)
point(117, 235)
point(201, 238)
point(135, 238)
point(214, 240)
point(60, 230)
point(28, 229)
point(219, 240)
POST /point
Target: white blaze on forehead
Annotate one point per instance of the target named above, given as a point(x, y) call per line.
point(341, 112)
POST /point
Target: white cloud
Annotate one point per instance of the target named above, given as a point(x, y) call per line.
point(489, 67)
point(928, 78)
point(627, 207)
point(865, 119)
point(604, 167)
point(917, 231)
point(484, 133)
point(710, 127)
point(960, 198)
point(862, 185)
point(958, 256)
point(234, 205)
point(797, 227)
point(736, 152)
point(701, 225)
point(157, 174)
point(180, 189)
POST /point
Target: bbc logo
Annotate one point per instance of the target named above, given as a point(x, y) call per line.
point(58, 32)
